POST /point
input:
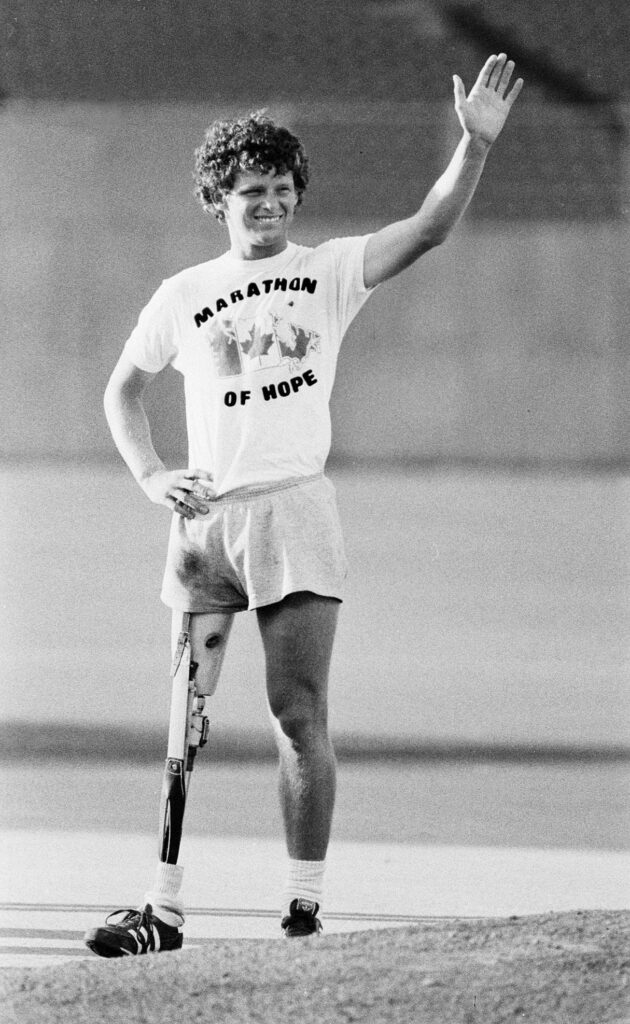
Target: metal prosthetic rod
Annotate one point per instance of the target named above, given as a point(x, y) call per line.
point(188, 730)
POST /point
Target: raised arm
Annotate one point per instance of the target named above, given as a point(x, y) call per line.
point(179, 490)
point(482, 115)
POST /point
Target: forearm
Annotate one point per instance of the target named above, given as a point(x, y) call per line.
point(398, 245)
point(130, 430)
point(482, 115)
point(447, 201)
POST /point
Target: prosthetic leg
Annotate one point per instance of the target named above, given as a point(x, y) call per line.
point(143, 931)
point(188, 730)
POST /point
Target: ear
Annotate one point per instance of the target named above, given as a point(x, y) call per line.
point(219, 205)
point(218, 210)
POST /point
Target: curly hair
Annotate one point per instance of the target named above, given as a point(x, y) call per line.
point(253, 142)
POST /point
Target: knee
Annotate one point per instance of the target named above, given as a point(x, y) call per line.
point(301, 717)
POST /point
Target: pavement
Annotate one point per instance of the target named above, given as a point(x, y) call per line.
point(54, 884)
point(411, 841)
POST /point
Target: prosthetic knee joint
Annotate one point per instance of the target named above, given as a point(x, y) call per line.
point(188, 730)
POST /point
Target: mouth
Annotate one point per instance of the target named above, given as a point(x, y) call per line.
point(266, 219)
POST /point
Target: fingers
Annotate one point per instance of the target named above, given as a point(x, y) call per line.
point(199, 481)
point(500, 78)
point(181, 508)
point(496, 74)
point(206, 491)
point(189, 498)
point(187, 493)
point(197, 474)
point(496, 71)
point(486, 72)
point(185, 503)
point(514, 91)
point(459, 90)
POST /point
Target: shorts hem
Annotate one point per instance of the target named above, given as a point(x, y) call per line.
point(263, 602)
point(194, 608)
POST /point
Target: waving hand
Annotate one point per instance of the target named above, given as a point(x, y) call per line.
point(483, 112)
point(482, 115)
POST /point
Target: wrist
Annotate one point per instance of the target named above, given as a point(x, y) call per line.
point(476, 145)
point(147, 471)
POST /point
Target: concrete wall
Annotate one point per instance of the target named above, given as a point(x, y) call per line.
point(507, 344)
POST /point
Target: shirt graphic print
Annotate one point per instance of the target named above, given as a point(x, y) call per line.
point(256, 343)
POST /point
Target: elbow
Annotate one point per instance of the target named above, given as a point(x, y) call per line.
point(115, 398)
point(111, 396)
point(110, 404)
point(424, 246)
point(434, 238)
point(435, 231)
point(428, 241)
point(123, 388)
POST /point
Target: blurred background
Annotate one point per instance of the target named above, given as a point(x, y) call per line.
point(480, 413)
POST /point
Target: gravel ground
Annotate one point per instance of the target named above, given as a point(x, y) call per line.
point(548, 969)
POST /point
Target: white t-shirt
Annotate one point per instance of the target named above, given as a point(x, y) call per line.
point(257, 343)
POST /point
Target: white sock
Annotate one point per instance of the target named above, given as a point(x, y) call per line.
point(305, 880)
point(164, 897)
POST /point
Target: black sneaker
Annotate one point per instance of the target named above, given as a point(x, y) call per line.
point(138, 932)
point(302, 919)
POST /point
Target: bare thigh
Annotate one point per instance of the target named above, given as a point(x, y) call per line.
point(298, 635)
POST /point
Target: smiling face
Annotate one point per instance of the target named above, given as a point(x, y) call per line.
point(258, 211)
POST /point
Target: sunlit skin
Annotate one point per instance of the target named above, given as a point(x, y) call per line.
point(258, 213)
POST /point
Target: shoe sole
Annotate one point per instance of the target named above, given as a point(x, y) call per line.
point(288, 934)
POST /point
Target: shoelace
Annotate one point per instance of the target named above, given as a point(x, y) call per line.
point(137, 924)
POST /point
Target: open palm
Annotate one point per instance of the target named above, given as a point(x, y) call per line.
point(483, 112)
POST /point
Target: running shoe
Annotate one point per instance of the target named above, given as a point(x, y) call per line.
point(136, 933)
point(302, 919)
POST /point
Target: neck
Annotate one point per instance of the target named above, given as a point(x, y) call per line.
point(251, 251)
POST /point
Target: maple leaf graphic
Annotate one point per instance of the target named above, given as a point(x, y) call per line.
point(223, 344)
point(257, 343)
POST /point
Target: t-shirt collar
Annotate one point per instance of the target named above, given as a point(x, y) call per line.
point(267, 263)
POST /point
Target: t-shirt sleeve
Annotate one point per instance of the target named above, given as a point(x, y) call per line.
point(152, 343)
point(348, 254)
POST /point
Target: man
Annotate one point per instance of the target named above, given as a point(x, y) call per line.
point(256, 334)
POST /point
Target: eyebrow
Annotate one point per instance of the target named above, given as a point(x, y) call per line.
point(256, 186)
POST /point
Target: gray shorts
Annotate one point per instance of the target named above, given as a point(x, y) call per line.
point(256, 546)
